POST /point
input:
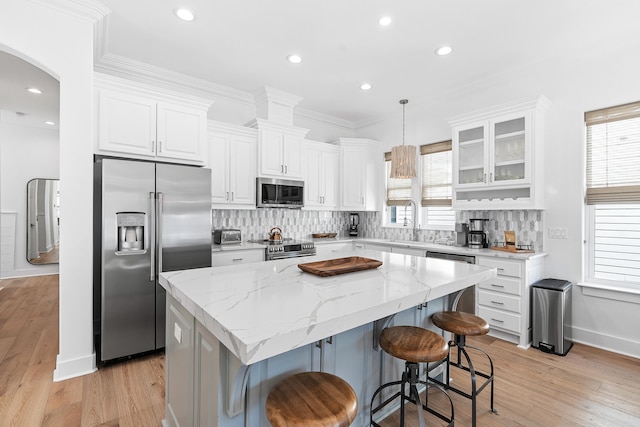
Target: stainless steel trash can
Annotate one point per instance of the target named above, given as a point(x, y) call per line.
point(551, 315)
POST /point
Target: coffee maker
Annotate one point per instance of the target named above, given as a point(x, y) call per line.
point(462, 234)
point(354, 221)
point(477, 236)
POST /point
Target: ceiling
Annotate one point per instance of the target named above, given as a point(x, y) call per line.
point(242, 45)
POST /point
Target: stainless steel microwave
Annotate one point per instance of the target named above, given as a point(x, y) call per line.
point(279, 193)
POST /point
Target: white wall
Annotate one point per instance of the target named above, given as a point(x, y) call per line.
point(62, 45)
point(26, 152)
point(574, 86)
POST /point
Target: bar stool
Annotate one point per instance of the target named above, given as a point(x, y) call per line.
point(461, 324)
point(312, 399)
point(414, 345)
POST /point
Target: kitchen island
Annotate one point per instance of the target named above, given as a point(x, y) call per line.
point(234, 331)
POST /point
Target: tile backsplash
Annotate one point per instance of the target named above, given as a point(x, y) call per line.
point(294, 223)
point(300, 224)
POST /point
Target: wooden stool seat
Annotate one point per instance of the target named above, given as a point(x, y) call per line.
point(460, 323)
point(413, 344)
point(311, 399)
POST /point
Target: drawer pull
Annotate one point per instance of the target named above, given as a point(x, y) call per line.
point(500, 269)
point(497, 302)
point(497, 320)
point(497, 286)
point(236, 259)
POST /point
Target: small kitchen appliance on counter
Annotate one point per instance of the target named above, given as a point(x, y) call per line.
point(477, 236)
point(227, 236)
point(462, 234)
point(354, 221)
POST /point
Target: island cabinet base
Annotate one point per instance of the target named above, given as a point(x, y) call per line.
point(206, 385)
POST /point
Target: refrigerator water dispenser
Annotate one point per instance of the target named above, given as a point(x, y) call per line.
point(130, 231)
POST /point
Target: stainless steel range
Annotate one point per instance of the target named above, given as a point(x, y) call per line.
point(286, 248)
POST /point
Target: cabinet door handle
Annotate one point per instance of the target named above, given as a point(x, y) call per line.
point(497, 302)
point(330, 340)
point(285, 169)
point(491, 177)
point(281, 168)
point(485, 178)
point(159, 146)
point(362, 198)
point(497, 286)
point(232, 196)
point(153, 146)
point(227, 196)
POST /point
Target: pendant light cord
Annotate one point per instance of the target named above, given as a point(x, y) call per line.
point(403, 102)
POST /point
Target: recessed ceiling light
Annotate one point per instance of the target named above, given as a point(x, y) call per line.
point(49, 123)
point(384, 21)
point(444, 50)
point(294, 59)
point(185, 14)
point(34, 90)
point(365, 86)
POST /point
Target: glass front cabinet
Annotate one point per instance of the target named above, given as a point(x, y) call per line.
point(496, 154)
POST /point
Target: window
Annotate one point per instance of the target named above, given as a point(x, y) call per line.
point(436, 186)
point(613, 195)
point(398, 194)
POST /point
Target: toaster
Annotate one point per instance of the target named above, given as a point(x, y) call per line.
point(227, 236)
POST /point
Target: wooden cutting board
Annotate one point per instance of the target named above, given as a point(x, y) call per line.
point(333, 267)
point(320, 235)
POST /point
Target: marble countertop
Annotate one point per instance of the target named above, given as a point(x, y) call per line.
point(260, 310)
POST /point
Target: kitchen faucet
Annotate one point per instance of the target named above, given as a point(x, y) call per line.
point(416, 226)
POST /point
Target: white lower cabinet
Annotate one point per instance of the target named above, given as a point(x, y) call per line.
point(504, 301)
point(179, 365)
point(236, 257)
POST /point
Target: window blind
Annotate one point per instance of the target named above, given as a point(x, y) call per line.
point(436, 174)
point(616, 243)
point(613, 150)
point(398, 190)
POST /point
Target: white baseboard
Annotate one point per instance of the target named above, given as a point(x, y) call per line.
point(44, 270)
point(66, 369)
point(606, 342)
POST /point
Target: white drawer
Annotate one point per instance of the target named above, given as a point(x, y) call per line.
point(505, 267)
point(502, 284)
point(499, 301)
point(236, 257)
point(500, 319)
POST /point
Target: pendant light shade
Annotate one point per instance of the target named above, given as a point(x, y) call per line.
point(403, 157)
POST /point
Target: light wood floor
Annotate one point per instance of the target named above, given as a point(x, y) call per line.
point(125, 394)
point(588, 387)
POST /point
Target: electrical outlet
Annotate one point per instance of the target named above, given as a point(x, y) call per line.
point(558, 233)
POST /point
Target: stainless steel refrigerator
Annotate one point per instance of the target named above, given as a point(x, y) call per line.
point(148, 218)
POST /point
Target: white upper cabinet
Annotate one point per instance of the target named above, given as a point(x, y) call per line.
point(279, 149)
point(497, 157)
point(321, 163)
point(142, 122)
point(361, 164)
point(233, 167)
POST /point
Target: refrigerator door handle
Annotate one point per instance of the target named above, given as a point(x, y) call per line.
point(152, 221)
point(160, 213)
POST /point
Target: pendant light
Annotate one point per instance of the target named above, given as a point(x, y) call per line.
point(403, 157)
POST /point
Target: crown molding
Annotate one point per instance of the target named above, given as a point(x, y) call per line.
point(90, 10)
point(303, 113)
point(131, 69)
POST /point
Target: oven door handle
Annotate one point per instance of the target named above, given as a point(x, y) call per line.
point(288, 255)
